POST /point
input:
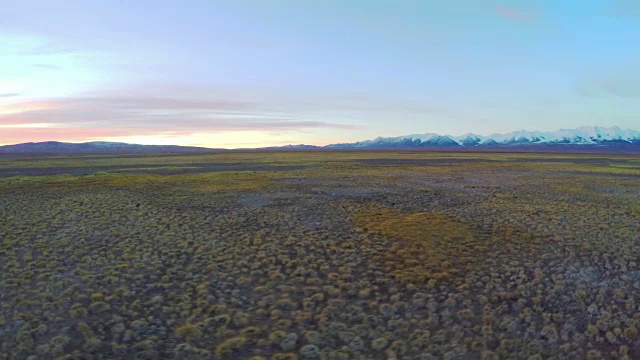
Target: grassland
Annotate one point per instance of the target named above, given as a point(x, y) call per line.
point(320, 255)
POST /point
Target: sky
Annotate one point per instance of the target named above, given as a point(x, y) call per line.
point(252, 73)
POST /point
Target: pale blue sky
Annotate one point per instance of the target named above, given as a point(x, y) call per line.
point(265, 72)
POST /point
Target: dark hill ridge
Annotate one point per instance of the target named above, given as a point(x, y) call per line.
point(95, 147)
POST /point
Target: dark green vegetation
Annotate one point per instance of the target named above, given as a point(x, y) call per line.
point(335, 255)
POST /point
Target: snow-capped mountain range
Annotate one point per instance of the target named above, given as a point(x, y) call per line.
point(586, 135)
point(586, 138)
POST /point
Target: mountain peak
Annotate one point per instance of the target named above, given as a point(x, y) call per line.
point(593, 135)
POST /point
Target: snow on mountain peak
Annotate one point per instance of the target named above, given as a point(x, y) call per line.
point(594, 135)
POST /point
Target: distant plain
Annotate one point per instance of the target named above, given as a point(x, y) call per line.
point(320, 255)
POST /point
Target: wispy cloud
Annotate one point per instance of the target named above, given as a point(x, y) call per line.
point(513, 14)
point(74, 119)
point(12, 134)
point(30, 106)
point(7, 95)
point(21, 135)
point(46, 49)
point(46, 66)
point(624, 82)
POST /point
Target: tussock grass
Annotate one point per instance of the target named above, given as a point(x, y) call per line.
point(525, 256)
point(427, 246)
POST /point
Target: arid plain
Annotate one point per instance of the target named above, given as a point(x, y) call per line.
point(320, 255)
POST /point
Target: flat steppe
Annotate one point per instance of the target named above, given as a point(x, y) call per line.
point(320, 255)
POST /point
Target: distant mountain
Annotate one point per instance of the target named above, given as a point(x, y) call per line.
point(290, 147)
point(586, 135)
point(582, 139)
point(95, 147)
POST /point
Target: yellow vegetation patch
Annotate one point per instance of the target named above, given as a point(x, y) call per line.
point(426, 246)
point(188, 331)
point(176, 168)
point(236, 181)
point(572, 188)
point(215, 181)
